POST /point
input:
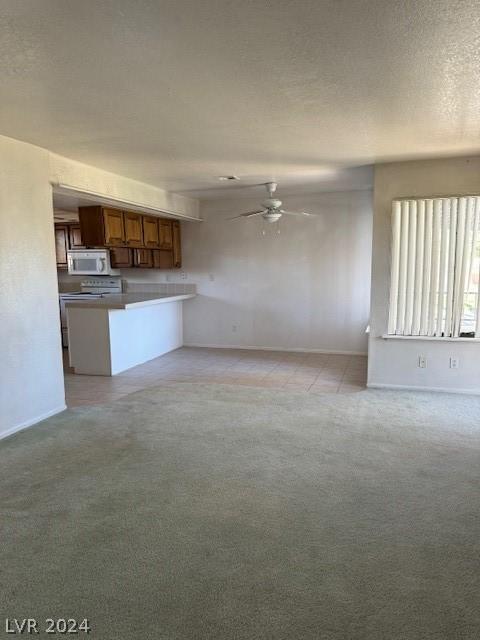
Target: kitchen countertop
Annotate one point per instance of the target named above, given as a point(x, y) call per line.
point(128, 300)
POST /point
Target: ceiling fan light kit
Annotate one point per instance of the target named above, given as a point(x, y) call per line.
point(271, 208)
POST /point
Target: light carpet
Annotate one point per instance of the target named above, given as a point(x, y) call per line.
point(195, 511)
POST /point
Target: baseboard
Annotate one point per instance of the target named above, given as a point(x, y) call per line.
point(407, 387)
point(296, 350)
point(30, 423)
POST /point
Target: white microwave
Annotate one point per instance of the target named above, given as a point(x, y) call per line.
point(90, 262)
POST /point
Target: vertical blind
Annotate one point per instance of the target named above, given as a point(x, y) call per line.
point(435, 266)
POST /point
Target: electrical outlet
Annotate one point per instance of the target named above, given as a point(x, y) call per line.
point(454, 363)
point(211, 277)
point(422, 362)
point(183, 275)
point(234, 328)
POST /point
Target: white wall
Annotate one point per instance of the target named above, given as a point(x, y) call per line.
point(31, 376)
point(395, 362)
point(307, 288)
point(91, 179)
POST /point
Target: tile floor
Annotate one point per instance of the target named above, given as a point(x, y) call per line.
point(315, 373)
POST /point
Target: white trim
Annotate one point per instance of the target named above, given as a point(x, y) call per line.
point(259, 348)
point(437, 197)
point(387, 336)
point(108, 200)
point(407, 387)
point(30, 423)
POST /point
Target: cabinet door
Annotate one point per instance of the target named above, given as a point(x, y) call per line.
point(162, 259)
point(61, 245)
point(133, 229)
point(150, 231)
point(165, 233)
point(75, 237)
point(92, 226)
point(114, 227)
point(177, 244)
point(121, 257)
point(143, 258)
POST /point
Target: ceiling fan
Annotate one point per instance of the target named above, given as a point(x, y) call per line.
point(271, 210)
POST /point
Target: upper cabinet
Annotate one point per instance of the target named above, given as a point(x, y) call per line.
point(162, 259)
point(67, 236)
point(165, 234)
point(105, 227)
point(101, 226)
point(121, 257)
point(61, 245)
point(133, 229)
point(177, 244)
point(150, 232)
point(143, 258)
point(75, 237)
point(114, 228)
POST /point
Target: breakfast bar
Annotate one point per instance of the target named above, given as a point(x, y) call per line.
point(109, 335)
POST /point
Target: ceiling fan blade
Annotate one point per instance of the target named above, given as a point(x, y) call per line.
point(297, 213)
point(248, 214)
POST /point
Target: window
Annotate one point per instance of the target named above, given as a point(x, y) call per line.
point(435, 269)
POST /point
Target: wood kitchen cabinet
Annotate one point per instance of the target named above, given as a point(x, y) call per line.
point(143, 258)
point(165, 234)
point(177, 244)
point(75, 237)
point(67, 236)
point(150, 232)
point(162, 259)
point(121, 257)
point(116, 229)
point(61, 245)
point(133, 229)
point(101, 226)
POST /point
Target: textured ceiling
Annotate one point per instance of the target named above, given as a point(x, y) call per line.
point(175, 93)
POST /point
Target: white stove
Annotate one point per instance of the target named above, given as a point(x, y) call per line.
point(91, 287)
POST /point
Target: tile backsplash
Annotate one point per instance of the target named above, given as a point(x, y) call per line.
point(158, 287)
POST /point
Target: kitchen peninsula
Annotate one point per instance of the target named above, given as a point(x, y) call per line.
point(109, 335)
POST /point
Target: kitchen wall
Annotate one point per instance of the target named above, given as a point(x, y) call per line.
point(395, 362)
point(307, 288)
point(31, 376)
